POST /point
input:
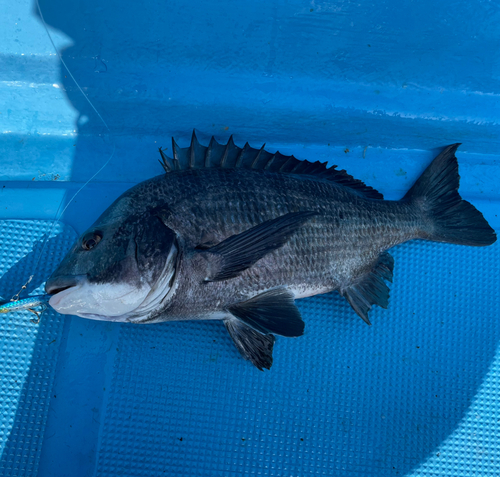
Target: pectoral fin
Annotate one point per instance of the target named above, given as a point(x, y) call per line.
point(252, 345)
point(271, 312)
point(239, 252)
point(371, 288)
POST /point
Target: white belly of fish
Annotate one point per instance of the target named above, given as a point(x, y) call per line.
point(304, 292)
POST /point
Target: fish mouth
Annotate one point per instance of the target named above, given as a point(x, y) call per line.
point(74, 295)
point(59, 284)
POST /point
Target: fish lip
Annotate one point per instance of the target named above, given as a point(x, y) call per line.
point(55, 285)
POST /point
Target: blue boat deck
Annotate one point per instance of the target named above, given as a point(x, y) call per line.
point(376, 88)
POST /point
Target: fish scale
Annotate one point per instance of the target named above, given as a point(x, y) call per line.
point(236, 234)
point(319, 250)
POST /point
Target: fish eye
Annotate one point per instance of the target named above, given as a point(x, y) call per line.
point(91, 239)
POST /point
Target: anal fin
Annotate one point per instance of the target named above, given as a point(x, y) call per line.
point(252, 345)
point(371, 288)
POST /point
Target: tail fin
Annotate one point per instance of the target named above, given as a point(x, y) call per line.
point(452, 219)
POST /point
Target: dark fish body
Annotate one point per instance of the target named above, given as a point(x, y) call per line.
point(237, 234)
point(327, 253)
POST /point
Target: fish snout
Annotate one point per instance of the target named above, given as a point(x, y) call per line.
point(58, 284)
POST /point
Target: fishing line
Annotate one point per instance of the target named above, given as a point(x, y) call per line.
point(59, 215)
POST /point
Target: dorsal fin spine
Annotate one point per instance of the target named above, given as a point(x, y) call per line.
point(289, 160)
point(164, 166)
point(239, 159)
point(166, 163)
point(257, 157)
point(175, 152)
point(229, 145)
point(269, 162)
point(192, 150)
point(208, 154)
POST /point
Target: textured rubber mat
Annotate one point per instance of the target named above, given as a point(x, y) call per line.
point(28, 351)
point(414, 394)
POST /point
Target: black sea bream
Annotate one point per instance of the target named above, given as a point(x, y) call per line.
point(238, 234)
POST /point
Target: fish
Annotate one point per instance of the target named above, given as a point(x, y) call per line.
point(238, 234)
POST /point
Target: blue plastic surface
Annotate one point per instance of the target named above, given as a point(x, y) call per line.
point(375, 87)
point(29, 351)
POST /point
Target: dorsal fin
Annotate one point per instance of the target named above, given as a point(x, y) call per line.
point(230, 156)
